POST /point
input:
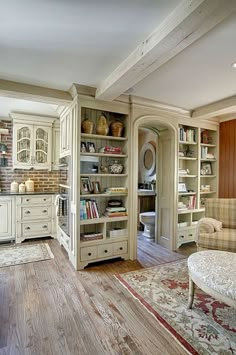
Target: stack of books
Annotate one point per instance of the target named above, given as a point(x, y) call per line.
point(112, 150)
point(118, 190)
point(90, 236)
point(115, 211)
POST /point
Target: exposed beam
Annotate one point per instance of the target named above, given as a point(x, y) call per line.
point(34, 93)
point(187, 23)
point(218, 108)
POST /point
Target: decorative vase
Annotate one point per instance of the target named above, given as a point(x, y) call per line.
point(116, 167)
point(102, 126)
point(87, 126)
point(117, 128)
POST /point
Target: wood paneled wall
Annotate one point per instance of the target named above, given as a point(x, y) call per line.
point(227, 159)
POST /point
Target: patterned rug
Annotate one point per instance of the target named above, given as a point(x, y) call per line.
point(209, 328)
point(24, 253)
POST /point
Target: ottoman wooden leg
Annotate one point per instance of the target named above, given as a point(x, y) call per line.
point(191, 293)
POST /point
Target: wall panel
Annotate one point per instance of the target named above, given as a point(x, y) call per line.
point(227, 159)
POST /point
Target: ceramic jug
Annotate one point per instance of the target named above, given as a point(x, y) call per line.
point(102, 126)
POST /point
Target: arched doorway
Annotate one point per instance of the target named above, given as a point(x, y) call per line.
point(166, 181)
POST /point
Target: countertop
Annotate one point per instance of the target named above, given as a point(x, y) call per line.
point(9, 193)
point(145, 192)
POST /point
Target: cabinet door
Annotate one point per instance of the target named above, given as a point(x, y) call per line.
point(22, 146)
point(42, 147)
point(65, 135)
point(6, 218)
point(55, 148)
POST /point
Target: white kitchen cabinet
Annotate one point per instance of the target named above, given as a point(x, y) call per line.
point(55, 147)
point(35, 217)
point(32, 141)
point(65, 131)
point(7, 216)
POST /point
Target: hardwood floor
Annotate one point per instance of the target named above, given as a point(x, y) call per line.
point(48, 308)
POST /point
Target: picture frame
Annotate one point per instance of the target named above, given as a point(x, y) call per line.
point(85, 186)
point(97, 187)
point(91, 148)
point(206, 168)
point(83, 147)
point(182, 187)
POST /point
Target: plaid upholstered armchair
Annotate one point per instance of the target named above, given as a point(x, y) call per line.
point(218, 229)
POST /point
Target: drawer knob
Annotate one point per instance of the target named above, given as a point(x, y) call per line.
point(121, 248)
point(105, 251)
point(27, 212)
point(181, 236)
point(45, 199)
point(44, 211)
point(0, 205)
point(89, 254)
point(190, 235)
point(27, 228)
point(45, 226)
point(27, 200)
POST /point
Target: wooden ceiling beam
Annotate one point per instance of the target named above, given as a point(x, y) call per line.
point(23, 91)
point(187, 23)
point(218, 108)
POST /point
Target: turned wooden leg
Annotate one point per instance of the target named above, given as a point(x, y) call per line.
point(191, 293)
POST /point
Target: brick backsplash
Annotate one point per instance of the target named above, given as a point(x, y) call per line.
point(43, 180)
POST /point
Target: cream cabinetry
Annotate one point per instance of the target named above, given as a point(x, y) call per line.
point(32, 141)
point(103, 179)
point(55, 146)
point(35, 217)
point(7, 216)
point(197, 180)
point(65, 131)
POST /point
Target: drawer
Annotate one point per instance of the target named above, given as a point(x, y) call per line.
point(120, 248)
point(35, 200)
point(32, 212)
point(105, 250)
point(36, 228)
point(186, 234)
point(88, 253)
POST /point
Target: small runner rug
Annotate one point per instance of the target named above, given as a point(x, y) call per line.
point(209, 328)
point(24, 253)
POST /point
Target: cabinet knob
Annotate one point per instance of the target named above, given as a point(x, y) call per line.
point(89, 254)
point(45, 199)
point(190, 235)
point(44, 211)
point(27, 212)
point(45, 226)
point(181, 236)
point(105, 251)
point(27, 228)
point(27, 200)
point(0, 205)
point(121, 248)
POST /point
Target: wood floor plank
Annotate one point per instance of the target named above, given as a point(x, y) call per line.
point(47, 308)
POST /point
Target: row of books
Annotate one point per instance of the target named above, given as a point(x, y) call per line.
point(187, 135)
point(88, 209)
point(187, 203)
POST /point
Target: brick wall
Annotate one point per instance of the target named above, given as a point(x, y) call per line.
point(43, 180)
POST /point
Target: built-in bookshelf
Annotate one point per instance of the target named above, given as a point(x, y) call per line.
point(197, 177)
point(104, 194)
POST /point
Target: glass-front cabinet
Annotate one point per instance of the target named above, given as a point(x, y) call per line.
point(32, 144)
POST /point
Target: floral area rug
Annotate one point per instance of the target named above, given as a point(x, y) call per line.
point(208, 328)
point(24, 253)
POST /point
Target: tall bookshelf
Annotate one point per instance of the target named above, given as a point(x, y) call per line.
point(197, 180)
point(104, 215)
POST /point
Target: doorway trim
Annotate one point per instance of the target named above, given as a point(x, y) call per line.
point(151, 122)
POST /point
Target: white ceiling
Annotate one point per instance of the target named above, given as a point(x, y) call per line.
point(55, 43)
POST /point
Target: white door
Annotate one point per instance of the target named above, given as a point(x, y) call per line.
point(165, 190)
point(5, 218)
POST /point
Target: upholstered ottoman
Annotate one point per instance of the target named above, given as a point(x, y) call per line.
point(214, 272)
